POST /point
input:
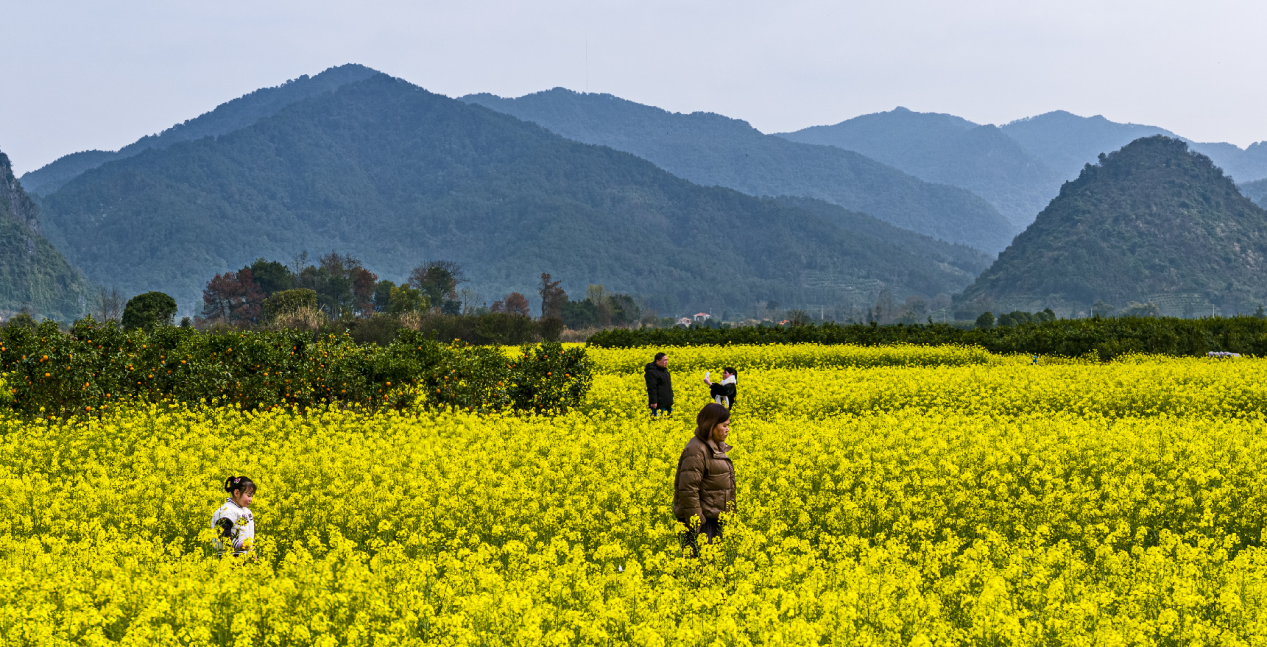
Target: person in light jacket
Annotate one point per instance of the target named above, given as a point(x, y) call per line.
point(704, 485)
point(233, 522)
point(723, 392)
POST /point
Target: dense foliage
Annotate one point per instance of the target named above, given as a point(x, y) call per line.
point(93, 368)
point(887, 496)
point(1151, 219)
point(1106, 338)
point(430, 177)
point(148, 311)
point(33, 275)
point(712, 150)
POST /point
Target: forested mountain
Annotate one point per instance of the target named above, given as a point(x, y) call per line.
point(32, 273)
point(1256, 191)
point(710, 149)
point(1066, 142)
point(395, 175)
point(969, 260)
point(1151, 222)
point(227, 117)
point(949, 150)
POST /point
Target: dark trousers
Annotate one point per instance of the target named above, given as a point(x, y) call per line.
point(689, 538)
point(655, 413)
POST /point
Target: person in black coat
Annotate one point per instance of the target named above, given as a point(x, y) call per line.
point(723, 392)
point(659, 386)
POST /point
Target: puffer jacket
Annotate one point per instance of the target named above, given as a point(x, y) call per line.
point(705, 482)
point(659, 386)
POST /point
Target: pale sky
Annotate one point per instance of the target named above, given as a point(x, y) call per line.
point(83, 75)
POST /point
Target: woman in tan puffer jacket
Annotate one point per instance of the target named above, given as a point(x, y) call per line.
point(704, 486)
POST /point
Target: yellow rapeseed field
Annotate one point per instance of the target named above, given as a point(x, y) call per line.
point(887, 496)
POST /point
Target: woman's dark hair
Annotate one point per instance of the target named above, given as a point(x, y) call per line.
point(659, 356)
point(732, 371)
point(241, 483)
point(710, 416)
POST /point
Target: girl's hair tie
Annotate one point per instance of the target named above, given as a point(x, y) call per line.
point(240, 483)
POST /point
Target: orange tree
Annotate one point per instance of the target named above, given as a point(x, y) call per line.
point(91, 367)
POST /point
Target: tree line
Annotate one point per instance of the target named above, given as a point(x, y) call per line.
point(1040, 334)
point(336, 293)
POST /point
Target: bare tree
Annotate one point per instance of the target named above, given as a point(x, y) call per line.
point(299, 262)
point(597, 294)
point(469, 297)
point(109, 306)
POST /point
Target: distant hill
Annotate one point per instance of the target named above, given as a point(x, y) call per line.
point(1256, 191)
point(1151, 222)
point(1244, 165)
point(710, 149)
point(396, 175)
point(949, 150)
point(1066, 141)
point(227, 117)
point(32, 273)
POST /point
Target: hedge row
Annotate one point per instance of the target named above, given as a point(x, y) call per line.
point(1107, 338)
point(92, 367)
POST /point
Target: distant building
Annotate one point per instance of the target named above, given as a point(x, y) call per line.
point(702, 316)
point(684, 321)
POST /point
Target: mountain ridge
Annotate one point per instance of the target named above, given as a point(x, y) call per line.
point(224, 118)
point(396, 175)
point(711, 149)
point(950, 150)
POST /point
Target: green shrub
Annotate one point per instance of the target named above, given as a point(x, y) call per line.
point(50, 373)
point(288, 302)
point(149, 310)
point(404, 299)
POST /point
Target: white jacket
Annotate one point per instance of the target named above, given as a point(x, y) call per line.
point(236, 524)
point(719, 393)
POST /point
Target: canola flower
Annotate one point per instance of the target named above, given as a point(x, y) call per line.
point(749, 357)
point(971, 502)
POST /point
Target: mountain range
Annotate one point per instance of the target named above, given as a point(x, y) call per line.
point(1152, 222)
point(227, 117)
point(949, 150)
point(710, 149)
point(1019, 166)
point(396, 175)
point(687, 210)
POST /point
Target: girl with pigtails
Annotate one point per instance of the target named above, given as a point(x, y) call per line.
point(233, 523)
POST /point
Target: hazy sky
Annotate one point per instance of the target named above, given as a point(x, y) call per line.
point(82, 75)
